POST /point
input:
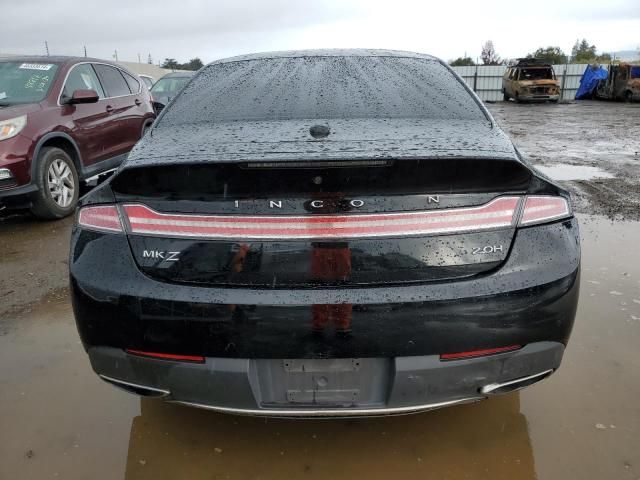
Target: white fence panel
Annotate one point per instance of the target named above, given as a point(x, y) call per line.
point(486, 80)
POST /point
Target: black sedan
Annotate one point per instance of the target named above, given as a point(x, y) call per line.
point(325, 233)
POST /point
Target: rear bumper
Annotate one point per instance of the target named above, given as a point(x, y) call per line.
point(266, 387)
point(531, 298)
point(538, 98)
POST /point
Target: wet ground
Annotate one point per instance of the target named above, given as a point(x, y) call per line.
point(586, 142)
point(57, 420)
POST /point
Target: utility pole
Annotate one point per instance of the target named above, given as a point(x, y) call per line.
point(139, 59)
point(46, 47)
point(85, 50)
point(115, 55)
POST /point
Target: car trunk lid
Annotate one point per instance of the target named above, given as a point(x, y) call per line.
point(321, 223)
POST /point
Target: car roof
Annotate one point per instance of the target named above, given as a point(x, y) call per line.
point(334, 52)
point(57, 59)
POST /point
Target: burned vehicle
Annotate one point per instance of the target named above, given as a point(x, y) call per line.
point(622, 83)
point(530, 81)
point(325, 233)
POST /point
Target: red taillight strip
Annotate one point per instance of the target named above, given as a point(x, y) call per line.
point(101, 217)
point(500, 212)
point(539, 209)
point(167, 356)
point(479, 353)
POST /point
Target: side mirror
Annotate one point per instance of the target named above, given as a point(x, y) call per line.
point(83, 96)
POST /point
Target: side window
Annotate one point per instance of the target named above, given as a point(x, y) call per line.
point(148, 82)
point(112, 81)
point(134, 84)
point(82, 77)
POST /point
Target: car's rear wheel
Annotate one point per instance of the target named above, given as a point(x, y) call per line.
point(58, 184)
point(628, 96)
point(505, 96)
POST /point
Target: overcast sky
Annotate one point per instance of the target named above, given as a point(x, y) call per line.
point(214, 29)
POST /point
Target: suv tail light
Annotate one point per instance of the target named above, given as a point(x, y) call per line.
point(542, 209)
point(103, 218)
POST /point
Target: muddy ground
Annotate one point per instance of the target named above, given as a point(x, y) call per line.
point(57, 420)
point(580, 140)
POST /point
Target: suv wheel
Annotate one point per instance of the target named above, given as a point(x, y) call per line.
point(58, 184)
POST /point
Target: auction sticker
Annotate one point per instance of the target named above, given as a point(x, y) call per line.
point(36, 66)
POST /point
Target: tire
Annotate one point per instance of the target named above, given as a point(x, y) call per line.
point(58, 185)
point(628, 96)
point(517, 98)
point(505, 96)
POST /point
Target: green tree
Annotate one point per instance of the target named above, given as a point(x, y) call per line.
point(462, 62)
point(193, 64)
point(582, 52)
point(170, 63)
point(553, 55)
point(604, 58)
point(489, 55)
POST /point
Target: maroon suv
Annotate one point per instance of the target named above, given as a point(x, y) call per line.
point(64, 120)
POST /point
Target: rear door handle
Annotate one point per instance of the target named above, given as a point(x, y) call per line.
point(138, 102)
point(109, 109)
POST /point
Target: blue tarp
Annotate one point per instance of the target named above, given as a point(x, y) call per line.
point(635, 72)
point(589, 81)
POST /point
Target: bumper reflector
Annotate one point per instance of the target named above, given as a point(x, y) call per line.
point(499, 213)
point(479, 353)
point(166, 356)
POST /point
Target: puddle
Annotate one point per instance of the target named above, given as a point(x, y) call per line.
point(58, 420)
point(573, 172)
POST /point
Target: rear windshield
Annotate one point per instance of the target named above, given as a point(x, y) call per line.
point(323, 88)
point(25, 82)
point(536, 74)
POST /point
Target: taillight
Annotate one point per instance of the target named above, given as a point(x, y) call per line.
point(498, 213)
point(103, 218)
point(541, 209)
